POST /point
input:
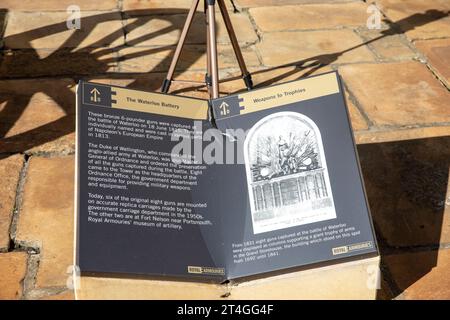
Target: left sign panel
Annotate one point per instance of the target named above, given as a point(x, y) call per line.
point(137, 210)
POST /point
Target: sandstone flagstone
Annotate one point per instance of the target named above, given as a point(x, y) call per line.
point(13, 266)
point(152, 82)
point(327, 47)
point(387, 134)
point(65, 295)
point(263, 3)
point(10, 168)
point(46, 217)
point(387, 46)
point(310, 16)
point(34, 112)
point(158, 59)
point(419, 19)
point(438, 54)
point(48, 30)
point(407, 187)
point(166, 29)
point(422, 275)
point(398, 94)
point(44, 62)
point(139, 7)
point(357, 119)
point(59, 5)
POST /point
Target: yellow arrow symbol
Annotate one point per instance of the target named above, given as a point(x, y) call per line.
point(95, 92)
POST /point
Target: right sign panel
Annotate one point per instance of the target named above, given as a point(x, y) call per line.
point(298, 196)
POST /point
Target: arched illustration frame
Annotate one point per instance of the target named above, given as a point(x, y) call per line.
point(306, 210)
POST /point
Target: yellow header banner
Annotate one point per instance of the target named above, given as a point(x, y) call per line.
point(283, 94)
point(167, 105)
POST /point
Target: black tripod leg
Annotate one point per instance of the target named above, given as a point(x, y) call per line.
point(214, 93)
point(187, 25)
point(246, 76)
point(208, 80)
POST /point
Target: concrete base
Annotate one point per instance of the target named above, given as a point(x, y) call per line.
point(350, 280)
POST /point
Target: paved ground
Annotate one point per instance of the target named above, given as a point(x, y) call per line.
point(397, 81)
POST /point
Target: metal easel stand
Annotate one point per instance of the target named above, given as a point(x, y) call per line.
point(212, 75)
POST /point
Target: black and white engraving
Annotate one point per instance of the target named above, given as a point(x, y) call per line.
point(287, 173)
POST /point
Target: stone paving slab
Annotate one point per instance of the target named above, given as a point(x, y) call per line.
point(10, 168)
point(359, 123)
point(310, 16)
point(158, 59)
point(65, 295)
point(386, 46)
point(13, 266)
point(419, 19)
point(438, 54)
point(49, 62)
point(326, 47)
point(408, 189)
point(161, 6)
point(426, 280)
point(46, 217)
point(267, 3)
point(47, 30)
point(166, 29)
point(34, 112)
point(182, 5)
point(60, 5)
point(412, 97)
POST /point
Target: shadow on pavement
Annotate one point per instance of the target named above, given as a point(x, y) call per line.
point(406, 184)
point(96, 59)
point(65, 61)
point(309, 66)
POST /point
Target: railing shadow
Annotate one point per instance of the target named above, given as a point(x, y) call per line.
point(71, 61)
